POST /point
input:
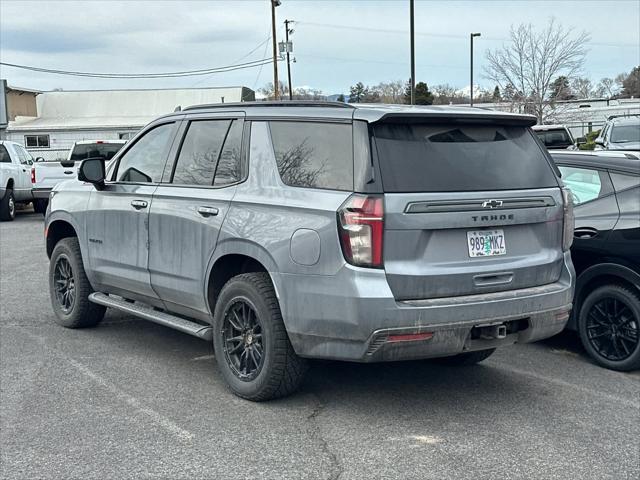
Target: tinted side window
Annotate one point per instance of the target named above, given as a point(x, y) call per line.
point(144, 161)
point(200, 152)
point(314, 155)
point(585, 184)
point(229, 169)
point(4, 155)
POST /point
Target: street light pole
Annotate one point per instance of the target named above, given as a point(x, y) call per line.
point(413, 54)
point(274, 4)
point(287, 31)
point(471, 84)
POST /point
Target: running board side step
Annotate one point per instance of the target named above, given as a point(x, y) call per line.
point(177, 323)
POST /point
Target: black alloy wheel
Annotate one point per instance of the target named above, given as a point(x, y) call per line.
point(64, 284)
point(242, 339)
point(612, 329)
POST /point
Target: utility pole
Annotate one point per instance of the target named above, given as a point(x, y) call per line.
point(413, 55)
point(471, 69)
point(274, 4)
point(288, 48)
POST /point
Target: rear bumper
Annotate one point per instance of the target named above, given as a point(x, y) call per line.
point(41, 193)
point(351, 315)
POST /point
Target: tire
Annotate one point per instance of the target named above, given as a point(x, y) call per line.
point(40, 205)
point(467, 358)
point(271, 369)
point(75, 310)
point(8, 206)
point(609, 327)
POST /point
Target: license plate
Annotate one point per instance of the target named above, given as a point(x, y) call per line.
point(486, 243)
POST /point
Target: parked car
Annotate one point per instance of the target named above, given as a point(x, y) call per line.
point(301, 230)
point(15, 178)
point(621, 132)
point(555, 137)
point(48, 174)
point(606, 255)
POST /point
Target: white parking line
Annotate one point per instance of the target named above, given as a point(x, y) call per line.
point(124, 397)
point(564, 383)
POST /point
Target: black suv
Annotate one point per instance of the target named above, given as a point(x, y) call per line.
point(606, 254)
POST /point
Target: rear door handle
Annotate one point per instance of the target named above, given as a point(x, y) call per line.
point(585, 232)
point(68, 172)
point(138, 204)
point(208, 211)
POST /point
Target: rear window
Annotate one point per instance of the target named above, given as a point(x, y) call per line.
point(625, 133)
point(458, 158)
point(91, 150)
point(554, 138)
point(314, 155)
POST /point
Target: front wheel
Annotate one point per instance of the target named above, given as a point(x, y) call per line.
point(609, 327)
point(69, 287)
point(251, 344)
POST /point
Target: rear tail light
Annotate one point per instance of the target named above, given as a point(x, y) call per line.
point(33, 175)
point(568, 220)
point(361, 230)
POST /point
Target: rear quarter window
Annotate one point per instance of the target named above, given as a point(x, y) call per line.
point(459, 157)
point(314, 154)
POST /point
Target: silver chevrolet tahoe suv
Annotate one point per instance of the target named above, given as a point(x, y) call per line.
point(288, 231)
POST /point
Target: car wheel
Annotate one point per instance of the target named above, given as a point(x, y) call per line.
point(467, 358)
point(8, 206)
point(251, 344)
point(609, 327)
point(69, 287)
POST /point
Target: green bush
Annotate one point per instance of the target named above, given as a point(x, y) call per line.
point(591, 144)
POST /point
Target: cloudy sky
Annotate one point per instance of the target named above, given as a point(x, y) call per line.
point(337, 43)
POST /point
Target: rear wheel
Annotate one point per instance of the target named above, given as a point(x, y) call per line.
point(40, 205)
point(8, 206)
point(69, 287)
point(609, 327)
point(250, 341)
point(467, 358)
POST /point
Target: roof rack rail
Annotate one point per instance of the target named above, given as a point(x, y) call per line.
point(623, 115)
point(288, 103)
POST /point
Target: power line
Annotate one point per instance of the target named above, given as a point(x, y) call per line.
point(440, 35)
point(186, 73)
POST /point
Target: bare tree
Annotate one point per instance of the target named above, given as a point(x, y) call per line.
point(528, 65)
point(582, 87)
point(607, 87)
point(390, 92)
point(446, 94)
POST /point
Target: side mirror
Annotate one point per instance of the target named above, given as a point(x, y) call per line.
point(599, 141)
point(92, 170)
point(581, 141)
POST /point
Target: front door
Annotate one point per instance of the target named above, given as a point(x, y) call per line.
point(118, 216)
point(187, 212)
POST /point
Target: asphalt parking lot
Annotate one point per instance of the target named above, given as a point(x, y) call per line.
point(131, 399)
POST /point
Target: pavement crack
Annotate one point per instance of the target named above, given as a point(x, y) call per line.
point(336, 468)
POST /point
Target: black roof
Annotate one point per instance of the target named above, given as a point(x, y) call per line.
point(618, 163)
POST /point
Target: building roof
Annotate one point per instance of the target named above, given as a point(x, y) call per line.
point(96, 109)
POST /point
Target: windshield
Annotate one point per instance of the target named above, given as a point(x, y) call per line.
point(458, 157)
point(625, 133)
point(554, 138)
point(91, 150)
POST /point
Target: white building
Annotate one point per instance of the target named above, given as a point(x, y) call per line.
point(64, 117)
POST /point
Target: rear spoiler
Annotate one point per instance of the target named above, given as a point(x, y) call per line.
point(483, 117)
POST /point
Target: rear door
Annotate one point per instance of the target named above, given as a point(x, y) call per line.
point(469, 209)
point(190, 205)
point(118, 216)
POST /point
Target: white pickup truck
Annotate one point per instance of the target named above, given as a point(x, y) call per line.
point(48, 174)
point(15, 178)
